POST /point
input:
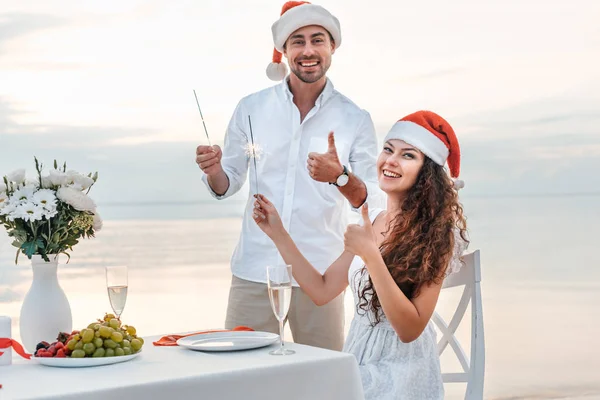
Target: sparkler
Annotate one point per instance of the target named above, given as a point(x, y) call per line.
point(252, 150)
point(206, 131)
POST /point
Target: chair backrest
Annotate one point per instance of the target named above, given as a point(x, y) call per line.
point(469, 276)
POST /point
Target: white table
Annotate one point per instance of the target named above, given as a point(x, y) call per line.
point(177, 373)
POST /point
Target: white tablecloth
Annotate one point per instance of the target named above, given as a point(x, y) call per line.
point(177, 373)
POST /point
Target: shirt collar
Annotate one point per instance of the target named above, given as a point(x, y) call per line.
point(323, 97)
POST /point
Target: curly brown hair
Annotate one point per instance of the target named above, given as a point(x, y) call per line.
point(420, 240)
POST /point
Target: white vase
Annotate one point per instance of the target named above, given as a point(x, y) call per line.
point(45, 311)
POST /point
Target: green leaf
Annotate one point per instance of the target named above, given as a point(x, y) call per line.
point(29, 248)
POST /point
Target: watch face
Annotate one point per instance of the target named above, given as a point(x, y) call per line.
point(342, 180)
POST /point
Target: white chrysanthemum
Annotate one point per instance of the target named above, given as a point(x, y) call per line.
point(45, 198)
point(49, 213)
point(17, 176)
point(29, 212)
point(9, 211)
point(2, 187)
point(76, 199)
point(97, 222)
point(22, 195)
point(58, 178)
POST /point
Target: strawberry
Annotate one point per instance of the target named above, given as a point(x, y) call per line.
point(59, 345)
point(60, 353)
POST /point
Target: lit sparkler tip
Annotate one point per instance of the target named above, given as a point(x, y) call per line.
point(253, 150)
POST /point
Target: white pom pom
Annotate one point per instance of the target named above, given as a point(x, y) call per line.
point(276, 71)
point(458, 184)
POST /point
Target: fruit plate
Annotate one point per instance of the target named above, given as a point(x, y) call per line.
point(228, 341)
point(68, 362)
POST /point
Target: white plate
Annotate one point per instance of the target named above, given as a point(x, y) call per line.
point(228, 341)
point(83, 362)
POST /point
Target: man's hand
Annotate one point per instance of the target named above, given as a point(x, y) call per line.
point(325, 167)
point(209, 159)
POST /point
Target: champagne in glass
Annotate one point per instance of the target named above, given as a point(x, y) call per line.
point(279, 280)
point(116, 285)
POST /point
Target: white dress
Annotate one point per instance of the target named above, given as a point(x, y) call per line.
point(389, 368)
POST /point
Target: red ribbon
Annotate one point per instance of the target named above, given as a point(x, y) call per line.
point(6, 343)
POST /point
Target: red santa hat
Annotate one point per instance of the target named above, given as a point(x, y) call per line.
point(434, 136)
point(295, 15)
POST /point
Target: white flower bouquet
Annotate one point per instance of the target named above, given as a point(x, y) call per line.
point(49, 215)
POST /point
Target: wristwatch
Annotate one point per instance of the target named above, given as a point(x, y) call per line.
point(343, 179)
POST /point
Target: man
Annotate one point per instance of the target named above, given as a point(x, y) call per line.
point(318, 150)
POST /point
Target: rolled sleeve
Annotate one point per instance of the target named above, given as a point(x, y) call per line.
point(234, 160)
point(363, 161)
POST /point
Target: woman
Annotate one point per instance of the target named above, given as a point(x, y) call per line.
point(395, 262)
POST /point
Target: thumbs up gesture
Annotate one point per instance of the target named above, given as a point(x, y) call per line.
point(360, 240)
point(325, 167)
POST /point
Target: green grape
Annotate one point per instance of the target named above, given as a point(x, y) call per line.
point(77, 337)
point(97, 326)
point(114, 323)
point(109, 353)
point(98, 342)
point(78, 353)
point(87, 335)
point(89, 348)
point(136, 344)
point(141, 340)
point(109, 343)
point(105, 332)
point(97, 334)
point(99, 352)
point(117, 337)
point(119, 352)
point(126, 343)
point(131, 330)
point(71, 344)
point(126, 351)
point(91, 326)
point(78, 346)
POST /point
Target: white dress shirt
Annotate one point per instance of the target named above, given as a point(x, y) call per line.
point(314, 213)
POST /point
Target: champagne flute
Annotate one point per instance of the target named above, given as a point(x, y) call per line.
point(116, 285)
point(279, 280)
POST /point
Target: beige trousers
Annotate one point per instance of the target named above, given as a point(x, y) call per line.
point(319, 326)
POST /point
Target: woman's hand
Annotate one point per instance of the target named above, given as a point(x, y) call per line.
point(360, 240)
point(267, 218)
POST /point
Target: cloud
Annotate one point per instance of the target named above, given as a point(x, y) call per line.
point(19, 137)
point(14, 25)
point(572, 113)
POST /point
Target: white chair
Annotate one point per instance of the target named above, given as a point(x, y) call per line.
point(469, 276)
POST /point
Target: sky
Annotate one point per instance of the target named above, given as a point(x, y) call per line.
point(108, 86)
